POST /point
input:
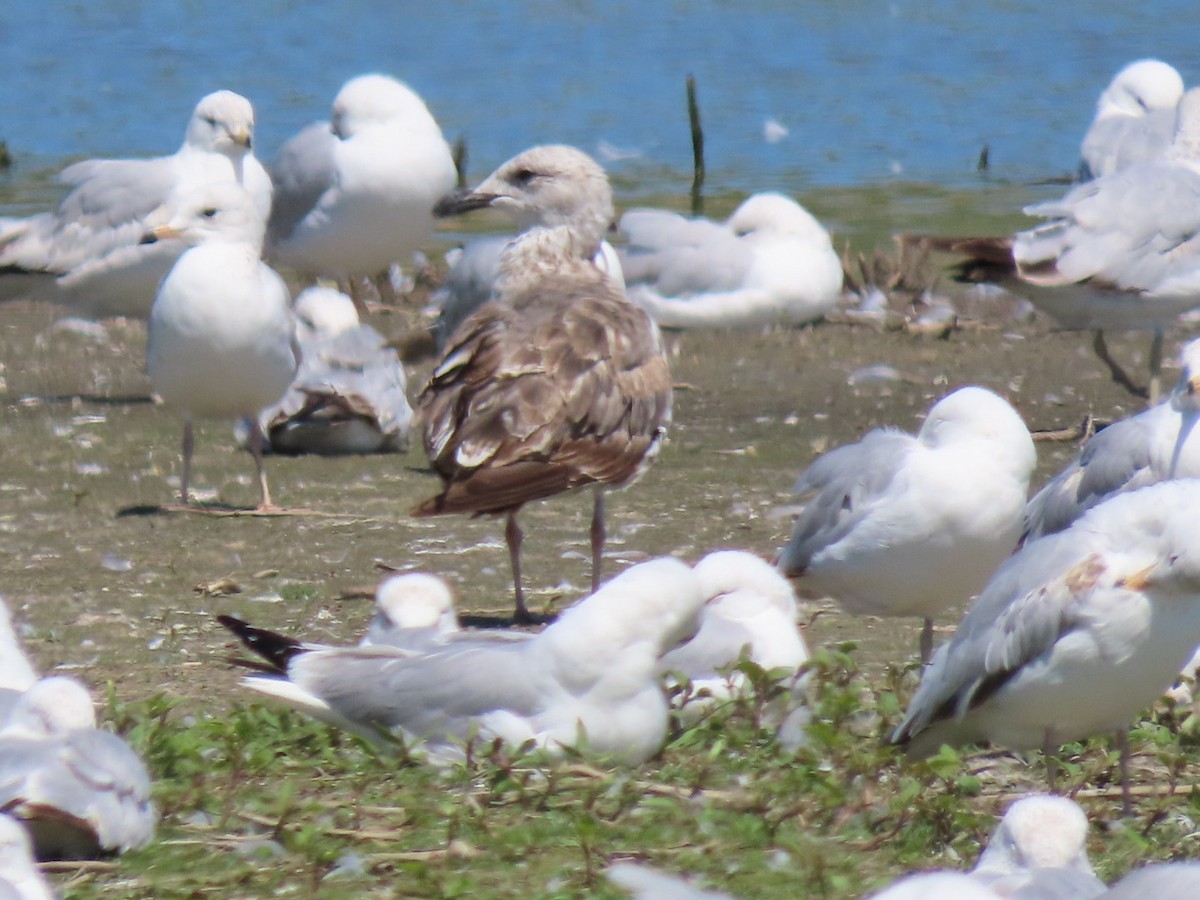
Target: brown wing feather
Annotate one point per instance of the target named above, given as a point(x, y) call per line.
point(554, 388)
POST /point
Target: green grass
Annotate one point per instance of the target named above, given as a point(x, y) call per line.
point(261, 802)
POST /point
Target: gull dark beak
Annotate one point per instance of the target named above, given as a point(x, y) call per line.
point(149, 238)
point(459, 202)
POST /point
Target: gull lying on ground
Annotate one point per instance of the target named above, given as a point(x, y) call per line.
point(1135, 118)
point(88, 253)
point(589, 680)
point(80, 791)
point(356, 194)
point(413, 611)
point(905, 525)
point(1074, 635)
point(558, 383)
point(1039, 850)
point(20, 878)
point(221, 339)
point(1121, 252)
point(1158, 444)
point(348, 395)
point(770, 263)
point(750, 610)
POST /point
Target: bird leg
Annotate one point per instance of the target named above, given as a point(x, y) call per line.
point(1119, 375)
point(598, 536)
point(1156, 348)
point(255, 445)
point(1050, 757)
point(512, 537)
point(927, 641)
point(188, 445)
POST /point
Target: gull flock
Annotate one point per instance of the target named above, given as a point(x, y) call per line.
point(552, 375)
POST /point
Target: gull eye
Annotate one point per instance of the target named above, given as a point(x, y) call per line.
point(209, 120)
point(209, 213)
point(522, 177)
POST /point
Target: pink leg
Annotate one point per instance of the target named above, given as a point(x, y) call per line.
point(255, 445)
point(598, 537)
point(188, 446)
point(513, 537)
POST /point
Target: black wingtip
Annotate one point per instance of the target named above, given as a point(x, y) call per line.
point(276, 649)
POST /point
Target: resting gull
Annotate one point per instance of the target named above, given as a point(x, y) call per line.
point(349, 395)
point(88, 254)
point(904, 525)
point(80, 791)
point(589, 680)
point(356, 194)
point(1135, 118)
point(1074, 634)
point(558, 383)
point(770, 263)
point(221, 338)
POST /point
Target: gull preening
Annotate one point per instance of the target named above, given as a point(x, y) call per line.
point(349, 394)
point(1155, 445)
point(1118, 253)
point(558, 383)
point(1074, 635)
point(88, 253)
point(589, 680)
point(770, 263)
point(355, 194)
point(79, 790)
point(221, 338)
point(904, 525)
point(1135, 118)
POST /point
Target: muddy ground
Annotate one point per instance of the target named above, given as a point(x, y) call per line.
point(108, 584)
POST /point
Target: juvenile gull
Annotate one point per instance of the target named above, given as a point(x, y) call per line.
point(589, 680)
point(1135, 118)
point(1118, 253)
point(558, 383)
point(770, 263)
point(348, 395)
point(79, 790)
point(1074, 634)
point(356, 194)
point(1158, 444)
point(904, 525)
point(221, 341)
point(88, 253)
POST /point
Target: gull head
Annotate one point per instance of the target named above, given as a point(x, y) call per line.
point(1038, 832)
point(550, 185)
point(1185, 397)
point(223, 122)
point(216, 211)
point(378, 100)
point(745, 584)
point(1140, 87)
point(769, 214)
point(51, 708)
point(325, 311)
point(416, 600)
point(977, 414)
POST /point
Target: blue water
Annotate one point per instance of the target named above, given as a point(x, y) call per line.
point(871, 92)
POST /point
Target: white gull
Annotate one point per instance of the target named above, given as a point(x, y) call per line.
point(905, 525)
point(88, 253)
point(770, 263)
point(221, 338)
point(1135, 118)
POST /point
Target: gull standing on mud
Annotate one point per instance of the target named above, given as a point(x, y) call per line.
point(558, 383)
point(221, 338)
point(1073, 636)
point(1157, 444)
point(88, 253)
point(770, 263)
point(589, 680)
point(1118, 253)
point(356, 194)
point(1135, 118)
point(903, 525)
